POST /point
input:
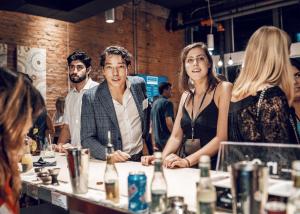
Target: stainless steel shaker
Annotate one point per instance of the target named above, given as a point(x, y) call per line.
point(248, 187)
point(78, 164)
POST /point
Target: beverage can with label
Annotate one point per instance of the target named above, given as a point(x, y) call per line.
point(137, 184)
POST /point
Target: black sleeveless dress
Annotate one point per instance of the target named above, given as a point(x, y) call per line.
point(205, 126)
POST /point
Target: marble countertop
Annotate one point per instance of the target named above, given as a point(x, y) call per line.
point(181, 182)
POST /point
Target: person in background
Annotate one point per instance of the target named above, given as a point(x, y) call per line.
point(201, 121)
point(162, 117)
point(58, 116)
point(41, 132)
point(263, 92)
point(79, 68)
point(119, 105)
point(42, 129)
point(296, 103)
point(154, 98)
point(20, 105)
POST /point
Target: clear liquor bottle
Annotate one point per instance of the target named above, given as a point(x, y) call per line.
point(206, 192)
point(111, 178)
point(293, 206)
point(158, 186)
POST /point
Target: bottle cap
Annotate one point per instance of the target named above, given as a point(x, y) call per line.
point(109, 145)
point(204, 159)
point(157, 155)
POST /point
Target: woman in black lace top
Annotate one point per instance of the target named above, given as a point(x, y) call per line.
point(261, 97)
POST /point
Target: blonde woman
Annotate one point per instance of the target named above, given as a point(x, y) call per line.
point(201, 121)
point(20, 104)
point(263, 92)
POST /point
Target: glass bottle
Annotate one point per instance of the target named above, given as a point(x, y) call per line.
point(111, 179)
point(47, 150)
point(293, 206)
point(38, 140)
point(26, 160)
point(206, 192)
point(158, 186)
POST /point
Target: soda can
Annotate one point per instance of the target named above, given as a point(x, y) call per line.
point(137, 184)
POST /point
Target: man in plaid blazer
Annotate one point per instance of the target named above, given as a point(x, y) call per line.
point(118, 105)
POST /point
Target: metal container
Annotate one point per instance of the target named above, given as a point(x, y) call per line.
point(78, 164)
point(177, 207)
point(275, 207)
point(137, 184)
point(248, 187)
point(173, 199)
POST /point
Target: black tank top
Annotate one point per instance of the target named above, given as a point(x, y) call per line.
point(205, 125)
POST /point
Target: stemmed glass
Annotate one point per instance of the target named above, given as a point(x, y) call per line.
point(48, 151)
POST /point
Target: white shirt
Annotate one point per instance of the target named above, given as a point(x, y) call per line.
point(58, 118)
point(129, 123)
point(72, 114)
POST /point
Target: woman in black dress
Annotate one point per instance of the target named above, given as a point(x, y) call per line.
point(201, 121)
point(263, 93)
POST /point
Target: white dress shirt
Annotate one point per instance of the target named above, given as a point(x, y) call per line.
point(129, 123)
point(72, 114)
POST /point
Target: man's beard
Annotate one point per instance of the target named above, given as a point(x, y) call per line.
point(77, 79)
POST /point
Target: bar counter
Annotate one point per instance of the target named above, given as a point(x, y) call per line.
point(181, 182)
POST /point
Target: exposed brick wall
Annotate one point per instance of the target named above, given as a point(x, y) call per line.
point(158, 50)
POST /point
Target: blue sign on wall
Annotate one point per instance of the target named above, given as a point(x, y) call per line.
point(297, 37)
point(152, 83)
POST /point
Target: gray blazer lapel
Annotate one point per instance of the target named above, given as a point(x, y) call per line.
point(105, 99)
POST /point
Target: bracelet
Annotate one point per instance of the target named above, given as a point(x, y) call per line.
point(188, 162)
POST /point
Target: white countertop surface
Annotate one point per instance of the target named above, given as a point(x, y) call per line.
point(181, 182)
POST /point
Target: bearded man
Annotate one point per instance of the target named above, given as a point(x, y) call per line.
point(79, 64)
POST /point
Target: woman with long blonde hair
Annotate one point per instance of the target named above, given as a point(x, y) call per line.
point(263, 92)
point(20, 104)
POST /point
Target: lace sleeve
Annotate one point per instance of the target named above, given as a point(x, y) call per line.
point(274, 119)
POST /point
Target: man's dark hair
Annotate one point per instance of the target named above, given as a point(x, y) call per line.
point(115, 50)
point(295, 62)
point(163, 86)
point(81, 56)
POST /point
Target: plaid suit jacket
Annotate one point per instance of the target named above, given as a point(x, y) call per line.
point(98, 116)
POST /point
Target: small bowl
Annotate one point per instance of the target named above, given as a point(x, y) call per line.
point(46, 180)
point(173, 199)
point(54, 171)
point(43, 174)
point(38, 169)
